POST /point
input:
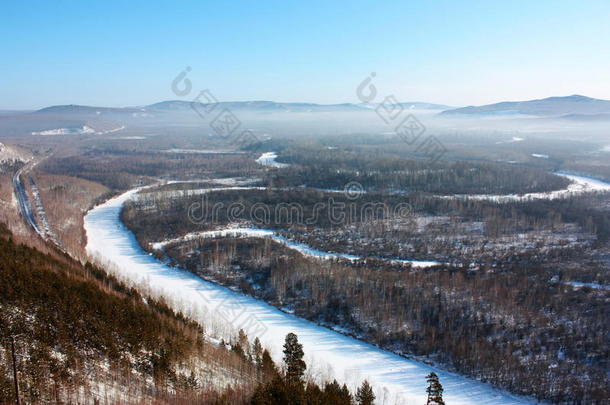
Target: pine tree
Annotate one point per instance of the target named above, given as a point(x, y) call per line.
point(267, 365)
point(364, 394)
point(278, 392)
point(242, 338)
point(313, 394)
point(236, 348)
point(257, 352)
point(346, 395)
point(336, 395)
point(293, 358)
point(435, 390)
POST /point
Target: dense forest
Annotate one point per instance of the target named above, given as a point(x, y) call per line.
point(334, 168)
point(507, 325)
point(80, 335)
point(119, 169)
point(503, 295)
point(502, 306)
point(428, 227)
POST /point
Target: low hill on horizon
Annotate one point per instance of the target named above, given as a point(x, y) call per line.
point(548, 107)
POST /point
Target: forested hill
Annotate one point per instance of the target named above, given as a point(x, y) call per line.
point(81, 336)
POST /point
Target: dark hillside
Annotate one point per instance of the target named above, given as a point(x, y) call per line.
point(77, 328)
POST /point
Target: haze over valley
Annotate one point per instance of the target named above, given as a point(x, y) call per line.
point(278, 205)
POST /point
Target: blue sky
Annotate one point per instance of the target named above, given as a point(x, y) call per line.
point(459, 53)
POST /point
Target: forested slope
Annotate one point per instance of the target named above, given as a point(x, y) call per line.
point(82, 336)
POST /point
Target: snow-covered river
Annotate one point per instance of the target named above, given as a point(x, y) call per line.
point(579, 185)
point(302, 248)
point(329, 354)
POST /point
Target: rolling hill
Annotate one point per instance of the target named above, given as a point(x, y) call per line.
point(548, 107)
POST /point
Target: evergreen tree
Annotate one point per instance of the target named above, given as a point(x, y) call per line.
point(435, 390)
point(293, 358)
point(346, 395)
point(278, 392)
point(242, 339)
point(236, 348)
point(314, 395)
point(257, 353)
point(267, 364)
point(365, 395)
point(337, 395)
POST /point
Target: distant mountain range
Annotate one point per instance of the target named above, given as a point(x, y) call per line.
point(273, 106)
point(73, 109)
point(257, 106)
point(575, 107)
point(253, 106)
point(570, 107)
point(416, 105)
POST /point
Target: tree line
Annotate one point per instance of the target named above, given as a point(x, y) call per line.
point(507, 325)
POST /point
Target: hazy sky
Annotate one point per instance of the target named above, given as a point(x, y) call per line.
point(452, 52)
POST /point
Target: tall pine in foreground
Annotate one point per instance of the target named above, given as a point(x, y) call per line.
point(364, 394)
point(293, 358)
point(435, 390)
point(289, 389)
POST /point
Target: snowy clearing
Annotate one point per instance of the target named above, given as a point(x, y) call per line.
point(76, 131)
point(268, 159)
point(513, 140)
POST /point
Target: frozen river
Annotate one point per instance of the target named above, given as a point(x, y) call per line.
point(302, 248)
point(579, 185)
point(329, 354)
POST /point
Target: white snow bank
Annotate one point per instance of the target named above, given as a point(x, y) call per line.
point(9, 154)
point(595, 286)
point(302, 248)
point(204, 151)
point(60, 131)
point(76, 131)
point(513, 140)
point(579, 185)
point(268, 159)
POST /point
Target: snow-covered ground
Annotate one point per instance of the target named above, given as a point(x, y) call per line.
point(330, 354)
point(47, 232)
point(596, 286)
point(513, 140)
point(192, 192)
point(579, 185)
point(109, 131)
point(302, 248)
point(9, 154)
point(64, 131)
point(76, 131)
point(203, 151)
point(268, 159)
